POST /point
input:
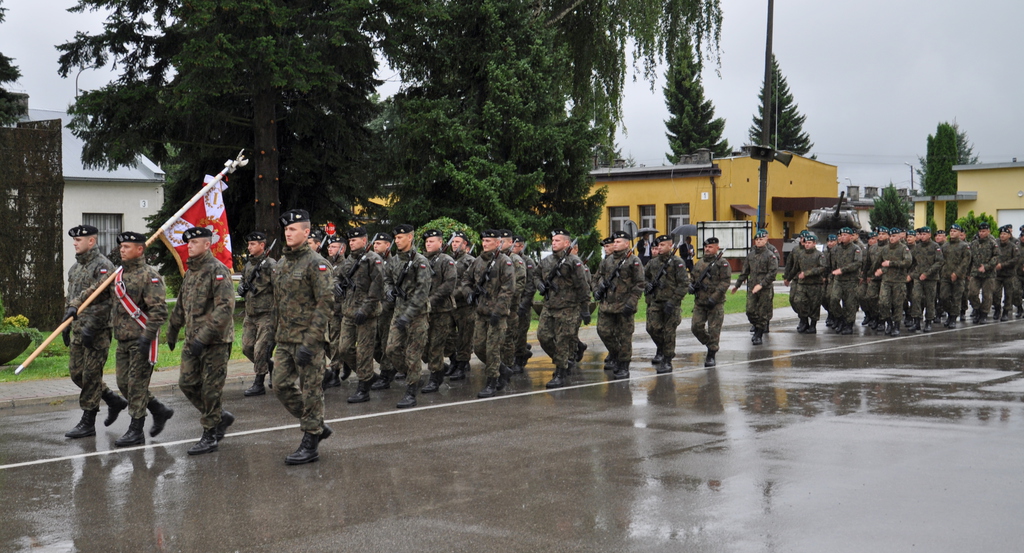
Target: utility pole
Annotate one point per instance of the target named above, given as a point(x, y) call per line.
point(766, 122)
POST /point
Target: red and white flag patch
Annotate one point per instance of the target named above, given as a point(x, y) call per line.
point(103, 271)
point(322, 267)
point(220, 277)
point(155, 280)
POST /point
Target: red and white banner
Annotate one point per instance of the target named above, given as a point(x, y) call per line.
point(208, 213)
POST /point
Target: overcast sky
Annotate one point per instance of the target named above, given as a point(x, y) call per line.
point(873, 77)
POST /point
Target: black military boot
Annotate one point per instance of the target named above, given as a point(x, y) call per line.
point(384, 381)
point(847, 329)
point(307, 452)
point(1006, 316)
point(888, 327)
point(609, 364)
point(997, 313)
point(85, 427)
point(206, 444)
point(666, 365)
point(557, 379)
point(658, 358)
point(490, 388)
point(917, 325)
point(134, 435)
point(927, 326)
point(621, 370)
point(800, 328)
point(756, 340)
point(829, 321)
point(709, 359)
point(517, 365)
point(433, 383)
point(895, 328)
point(257, 388)
point(580, 348)
point(115, 404)
point(362, 392)
point(399, 376)
point(161, 414)
point(504, 374)
point(459, 371)
point(524, 359)
point(951, 323)
point(866, 321)
point(331, 379)
point(983, 318)
point(226, 420)
point(270, 373)
point(346, 371)
point(975, 315)
point(409, 400)
point(812, 326)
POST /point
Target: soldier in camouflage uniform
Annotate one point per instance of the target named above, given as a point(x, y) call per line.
point(359, 289)
point(892, 266)
point(1005, 281)
point(956, 265)
point(984, 257)
point(336, 370)
point(88, 337)
point(336, 249)
point(808, 277)
point(442, 286)
point(927, 265)
point(303, 304)
point(759, 270)
point(460, 341)
point(205, 307)
point(489, 283)
point(562, 284)
point(711, 278)
point(382, 242)
point(581, 346)
point(258, 326)
point(620, 283)
point(865, 281)
point(873, 284)
point(407, 286)
point(508, 350)
point(846, 259)
point(525, 308)
point(667, 282)
point(140, 311)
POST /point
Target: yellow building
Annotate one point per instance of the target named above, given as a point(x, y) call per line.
point(724, 189)
point(993, 188)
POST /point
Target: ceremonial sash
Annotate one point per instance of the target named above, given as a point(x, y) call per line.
point(133, 310)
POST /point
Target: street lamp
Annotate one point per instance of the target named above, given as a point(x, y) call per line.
point(911, 175)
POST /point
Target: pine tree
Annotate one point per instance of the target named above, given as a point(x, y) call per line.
point(692, 124)
point(890, 210)
point(10, 108)
point(787, 124)
point(942, 155)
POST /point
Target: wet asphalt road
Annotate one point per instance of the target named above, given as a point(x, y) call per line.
point(813, 444)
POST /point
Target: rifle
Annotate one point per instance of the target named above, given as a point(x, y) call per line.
point(698, 283)
point(398, 291)
point(479, 291)
point(608, 284)
point(548, 284)
point(655, 283)
point(344, 281)
point(247, 285)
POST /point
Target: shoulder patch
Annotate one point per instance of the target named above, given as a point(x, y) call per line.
point(103, 271)
point(219, 277)
point(509, 263)
point(155, 280)
point(578, 263)
point(422, 266)
point(322, 267)
point(451, 263)
point(377, 262)
point(636, 263)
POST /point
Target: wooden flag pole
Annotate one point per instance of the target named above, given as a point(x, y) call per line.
point(229, 167)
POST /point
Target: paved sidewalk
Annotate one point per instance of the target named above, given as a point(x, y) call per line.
point(56, 391)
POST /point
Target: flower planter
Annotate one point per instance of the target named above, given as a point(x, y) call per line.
point(12, 345)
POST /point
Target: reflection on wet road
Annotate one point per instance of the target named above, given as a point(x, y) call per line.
point(822, 443)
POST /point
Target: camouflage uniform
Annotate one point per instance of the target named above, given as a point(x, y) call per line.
point(567, 295)
point(258, 326)
point(303, 305)
point(460, 340)
point(894, 280)
point(387, 312)
point(526, 311)
point(956, 259)
point(615, 322)
point(442, 286)
point(143, 284)
point(872, 284)
point(1005, 281)
point(666, 292)
point(927, 261)
point(497, 281)
point(760, 267)
point(205, 307)
point(508, 349)
point(848, 258)
point(806, 298)
point(709, 301)
point(362, 296)
point(406, 345)
point(86, 364)
point(983, 254)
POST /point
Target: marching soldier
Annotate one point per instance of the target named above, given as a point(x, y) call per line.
point(760, 268)
point(873, 284)
point(258, 326)
point(382, 242)
point(1005, 280)
point(566, 293)
point(846, 260)
point(956, 264)
point(359, 290)
point(442, 286)
point(711, 279)
point(581, 346)
point(407, 286)
point(508, 350)
point(667, 281)
point(927, 265)
point(892, 266)
point(808, 274)
point(606, 247)
point(140, 311)
point(620, 281)
point(461, 339)
point(489, 283)
point(205, 307)
point(88, 337)
point(334, 373)
point(983, 260)
point(525, 308)
point(303, 304)
point(831, 243)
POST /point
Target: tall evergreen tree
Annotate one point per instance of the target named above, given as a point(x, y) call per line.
point(692, 124)
point(10, 108)
point(787, 124)
point(942, 155)
point(964, 154)
point(890, 210)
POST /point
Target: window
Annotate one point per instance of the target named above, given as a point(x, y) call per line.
point(109, 225)
point(617, 217)
point(647, 218)
point(678, 214)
